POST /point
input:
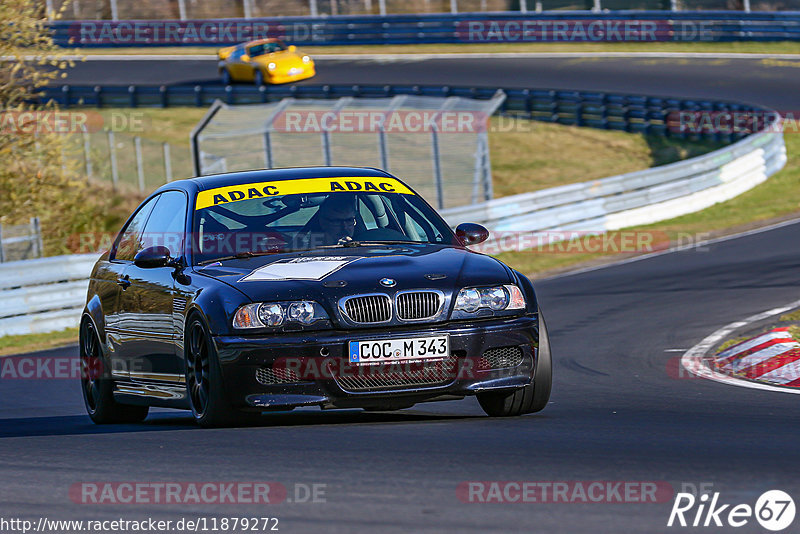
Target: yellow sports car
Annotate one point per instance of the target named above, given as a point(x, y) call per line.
point(264, 61)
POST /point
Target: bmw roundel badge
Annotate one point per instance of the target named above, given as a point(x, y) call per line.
point(388, 282)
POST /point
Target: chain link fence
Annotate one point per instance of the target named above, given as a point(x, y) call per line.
point(128, 161)
point(439, 145)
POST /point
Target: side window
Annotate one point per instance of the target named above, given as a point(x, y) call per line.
point(130, 240)
point(167, 223)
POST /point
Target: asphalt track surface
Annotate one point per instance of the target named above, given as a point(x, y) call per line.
point(617, 412)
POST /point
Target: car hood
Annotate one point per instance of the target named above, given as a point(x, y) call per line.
point(282, 60)
point(330, 274)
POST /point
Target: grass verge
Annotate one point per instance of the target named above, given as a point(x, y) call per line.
point(35, 342)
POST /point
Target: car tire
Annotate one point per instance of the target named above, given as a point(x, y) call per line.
point(97, 387)
point(531, 398)
point(258, 78)
point(204, 385)
point(226, 77)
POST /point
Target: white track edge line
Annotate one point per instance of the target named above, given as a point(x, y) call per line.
point(693, 359)
point(672, 250)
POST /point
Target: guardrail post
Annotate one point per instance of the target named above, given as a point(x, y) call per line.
point(114, 10)
point(453, 6)
point(247, 8)
point(2, 256)
point(132, 93)
point(382, 7)
point(167, 164)
point(198, 95)
point(137, 144)
point(164, 96)
point(746, 6)
point(98, 95)
point(523, 6)
point(112, 152)
point(182, 9)
point(36, 238)
point(596, 6)
point(312, 6)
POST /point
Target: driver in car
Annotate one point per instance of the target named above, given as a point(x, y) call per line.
point(336, 220)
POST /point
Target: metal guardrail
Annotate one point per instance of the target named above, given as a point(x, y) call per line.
point(43, 295)
point(21, 241)
point(636, 198)
point(552, 26)
point(632, 113)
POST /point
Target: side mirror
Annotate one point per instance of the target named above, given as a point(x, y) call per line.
point(153, 257)
point(471, 233)
point(292, 48)
point(245, 58)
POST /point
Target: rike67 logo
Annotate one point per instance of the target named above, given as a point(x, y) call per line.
point(774, 510)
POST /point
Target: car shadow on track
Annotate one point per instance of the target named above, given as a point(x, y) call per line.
point(79, 424)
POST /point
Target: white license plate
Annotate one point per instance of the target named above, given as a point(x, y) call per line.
point(388, 350)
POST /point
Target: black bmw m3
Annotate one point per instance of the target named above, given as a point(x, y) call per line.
point(237, 294)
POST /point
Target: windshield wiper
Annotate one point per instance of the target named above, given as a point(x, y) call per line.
point(240, 256)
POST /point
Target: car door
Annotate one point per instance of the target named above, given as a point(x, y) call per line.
point(146, 306)
point(113, 284)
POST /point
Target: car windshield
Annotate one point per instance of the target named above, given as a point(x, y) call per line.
point(266, 48)
point(255, 219)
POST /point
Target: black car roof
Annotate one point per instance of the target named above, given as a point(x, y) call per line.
point(213, 181)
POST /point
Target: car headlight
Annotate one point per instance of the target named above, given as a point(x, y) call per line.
point(272, 66)
point(306, 59)
point(497, 299)
point(274, 314)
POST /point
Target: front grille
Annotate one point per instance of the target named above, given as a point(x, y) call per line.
point(268, 376)
point(500, 358)
point(418, 305)
point(397, 375)
point(368, 309)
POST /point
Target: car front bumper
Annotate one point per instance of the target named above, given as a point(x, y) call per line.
point(286, 77)
point(322, 378)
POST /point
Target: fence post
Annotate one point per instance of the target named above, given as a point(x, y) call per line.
point(182, 9)
point(746, 6)
point(382, 6)
point(112, 152)
point(437, 168)
point(87, 153)
point(454, 6)
point(596, 6)
point(326, 146)
point(248, 10)
point(114, 10)
point(334, 7)
point(167, 164)
point(268, 150)
point(38, 242)
point(673, 5)
point(49, 8)
point(523, 6)
point(137, 143)
point(2, 257)
point(312, 6)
